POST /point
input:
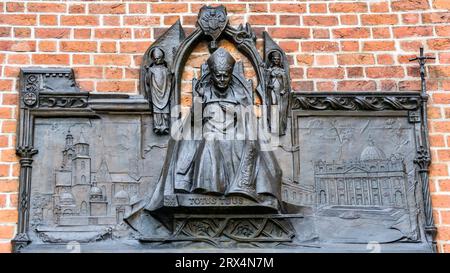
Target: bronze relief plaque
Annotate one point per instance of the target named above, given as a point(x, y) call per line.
point(248, 166)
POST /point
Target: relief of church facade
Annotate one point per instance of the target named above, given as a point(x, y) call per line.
point(371, 180)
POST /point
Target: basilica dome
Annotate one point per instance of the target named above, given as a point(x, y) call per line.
point(371, 152)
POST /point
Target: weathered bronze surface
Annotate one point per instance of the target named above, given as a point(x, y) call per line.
point(300, 172)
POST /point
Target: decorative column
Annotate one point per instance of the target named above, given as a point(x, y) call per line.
point(423, 158)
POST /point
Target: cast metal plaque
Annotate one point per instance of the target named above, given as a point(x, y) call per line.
point(299, 172)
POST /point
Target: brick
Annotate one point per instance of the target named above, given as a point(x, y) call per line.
point(111, 20)
point(353, 7)
point(82, 33)
point(48, 20)
point(113, 73)
point(77, 8)
point(385, 72)
point(439, 44)
point(79, 20)
point(385, 59)
point(18, 20)
point(355, 59)
point(381, 33)
point(256, 7)
point(379, 7)
point(170, 20)
point(88, 72)
point(47, 46)
point(436, 17)
point(108, 47)
point(441, 4)
point(9, 126)
point(80, 59)
point(379, 19)
point(442, 30)
point(116, 8)
point(22, 32)
point(169, 8)
point(445, 218)
point(6, 113)
point(325, 60)
point(303, 85)
point(13, 200)
point(131, 73)
point(50, 59)
point(111, 59)
point(444, 58)
point(440, 201)
point(288, 8)
point(4, 171)
point(296, 73)
point(379, 46)
point(5, 247)
point(417, 31)
point(349, 46)
point(113, 33)
point(137, 8)
point(4, 142)
point(5, 31)
point(290, 20)
point(405, 5)
point(412, 46)
point(319, 46)
point(349, 19)
point(78, 46)
point(441, 98)
point(19, 59)
point(317, 8)
point(439, 71)
point(6, 232)
point(262, 19)
point(438, 170)
point(8, 155)
point(18, 46)
point(326, 86)
point(10, 99)
point(321, 33)
point(54, 33)
point(356, 86)
point(304, 59)
point(46, 7)
point(15, 7)
point(6, 85)
point(325, 73)
point(355, 72)
point(133, 47)
point(116, 86)
point(410, 18)
point(320, 20)
point(351, 33)
point(8, 216)
point(437, 140)
point(236, 8)
point(441, 126)
point(289, 46)
point(142, 20)
point(443, 155)
point(290, 33)
point(444, 185)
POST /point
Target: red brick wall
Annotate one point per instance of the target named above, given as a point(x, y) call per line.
point(334, 45)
